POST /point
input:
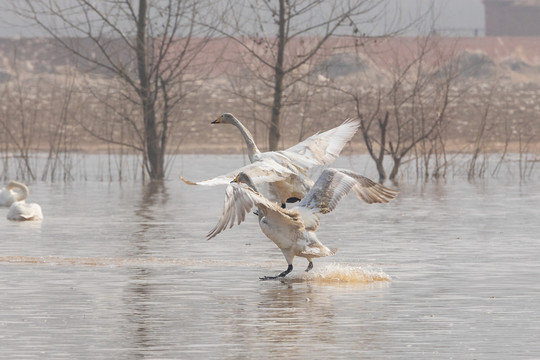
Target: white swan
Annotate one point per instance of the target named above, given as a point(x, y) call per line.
point(13, 191)
point(293, 231)
point(21, 211)
point(287, 171)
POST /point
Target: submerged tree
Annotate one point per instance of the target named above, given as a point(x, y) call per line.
point(146, 47)
point(407, 112)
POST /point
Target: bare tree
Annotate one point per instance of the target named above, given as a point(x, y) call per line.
point(147, 48)
point(279, 39)
point(400, 113)
point(20, 120)
point(419, 99)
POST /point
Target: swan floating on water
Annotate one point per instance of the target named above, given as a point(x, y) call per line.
point(286, 171)
point(21, 211)
point(293, 231)
point(13, 191)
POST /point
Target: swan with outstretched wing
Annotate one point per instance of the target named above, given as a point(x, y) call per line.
point(293, 231)
point(286, 171)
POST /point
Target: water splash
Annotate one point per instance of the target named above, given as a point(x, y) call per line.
point(340, 273)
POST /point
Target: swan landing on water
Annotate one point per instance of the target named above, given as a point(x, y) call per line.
point(286, 171)
point(293, 231)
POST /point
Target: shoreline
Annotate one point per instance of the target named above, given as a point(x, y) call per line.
point(451, 148)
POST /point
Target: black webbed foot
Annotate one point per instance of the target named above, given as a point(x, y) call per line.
point(309, 267)
point(283, 274)
point(256, 212)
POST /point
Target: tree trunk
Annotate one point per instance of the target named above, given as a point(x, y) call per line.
point(154, 154)
point(383, 126)
point(395, 169)
point(275, 134)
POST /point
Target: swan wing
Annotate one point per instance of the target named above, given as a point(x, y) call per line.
point(21, 211)
point(240, 199)
point(333, 184)
point(368, 190)
point(6, 198)
point(264, 170)
point(322, 148)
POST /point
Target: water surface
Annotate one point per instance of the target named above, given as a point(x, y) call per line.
point(123, 270)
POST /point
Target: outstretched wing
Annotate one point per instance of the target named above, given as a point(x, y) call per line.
point(266, 170)
point(368, 190)
point(323, 148)
point(239, 200)
point(334, 184)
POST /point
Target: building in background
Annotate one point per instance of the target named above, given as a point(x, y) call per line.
point(512, 17)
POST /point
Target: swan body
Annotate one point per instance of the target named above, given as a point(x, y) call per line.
point(293, 230)
point(12, 192)
point(21, 211)
point(287, 171)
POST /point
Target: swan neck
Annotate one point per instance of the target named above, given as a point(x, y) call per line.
point(23, 193)
point(252, 148)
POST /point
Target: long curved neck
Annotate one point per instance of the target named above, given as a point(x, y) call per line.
point(252, 148)
point(23, 193)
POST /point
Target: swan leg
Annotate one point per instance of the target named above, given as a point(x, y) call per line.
point(283, 274)
point(310, 266)
point(283, 205)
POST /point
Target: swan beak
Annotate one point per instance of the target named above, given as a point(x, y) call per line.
point(236, 179)
point(217, 121)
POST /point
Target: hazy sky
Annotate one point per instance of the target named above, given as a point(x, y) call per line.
point(450, 14)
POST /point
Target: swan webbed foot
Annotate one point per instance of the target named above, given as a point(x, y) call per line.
point(283, 274)
point(283, 205)
point(256, 212)
point(310, 266)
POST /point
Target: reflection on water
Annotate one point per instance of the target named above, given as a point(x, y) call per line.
point(447, 270)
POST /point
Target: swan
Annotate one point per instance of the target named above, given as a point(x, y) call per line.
point(13, 191)
point(286, 171)
point(21, 211)
point(293, 230)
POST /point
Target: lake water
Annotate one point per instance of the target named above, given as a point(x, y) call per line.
point(448, 270)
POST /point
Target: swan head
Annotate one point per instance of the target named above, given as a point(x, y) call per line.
point(242, 177)
point(225, 118)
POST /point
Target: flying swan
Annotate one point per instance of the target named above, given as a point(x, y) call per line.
point(293, 231)
point(286, 171)
point(13, 191)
